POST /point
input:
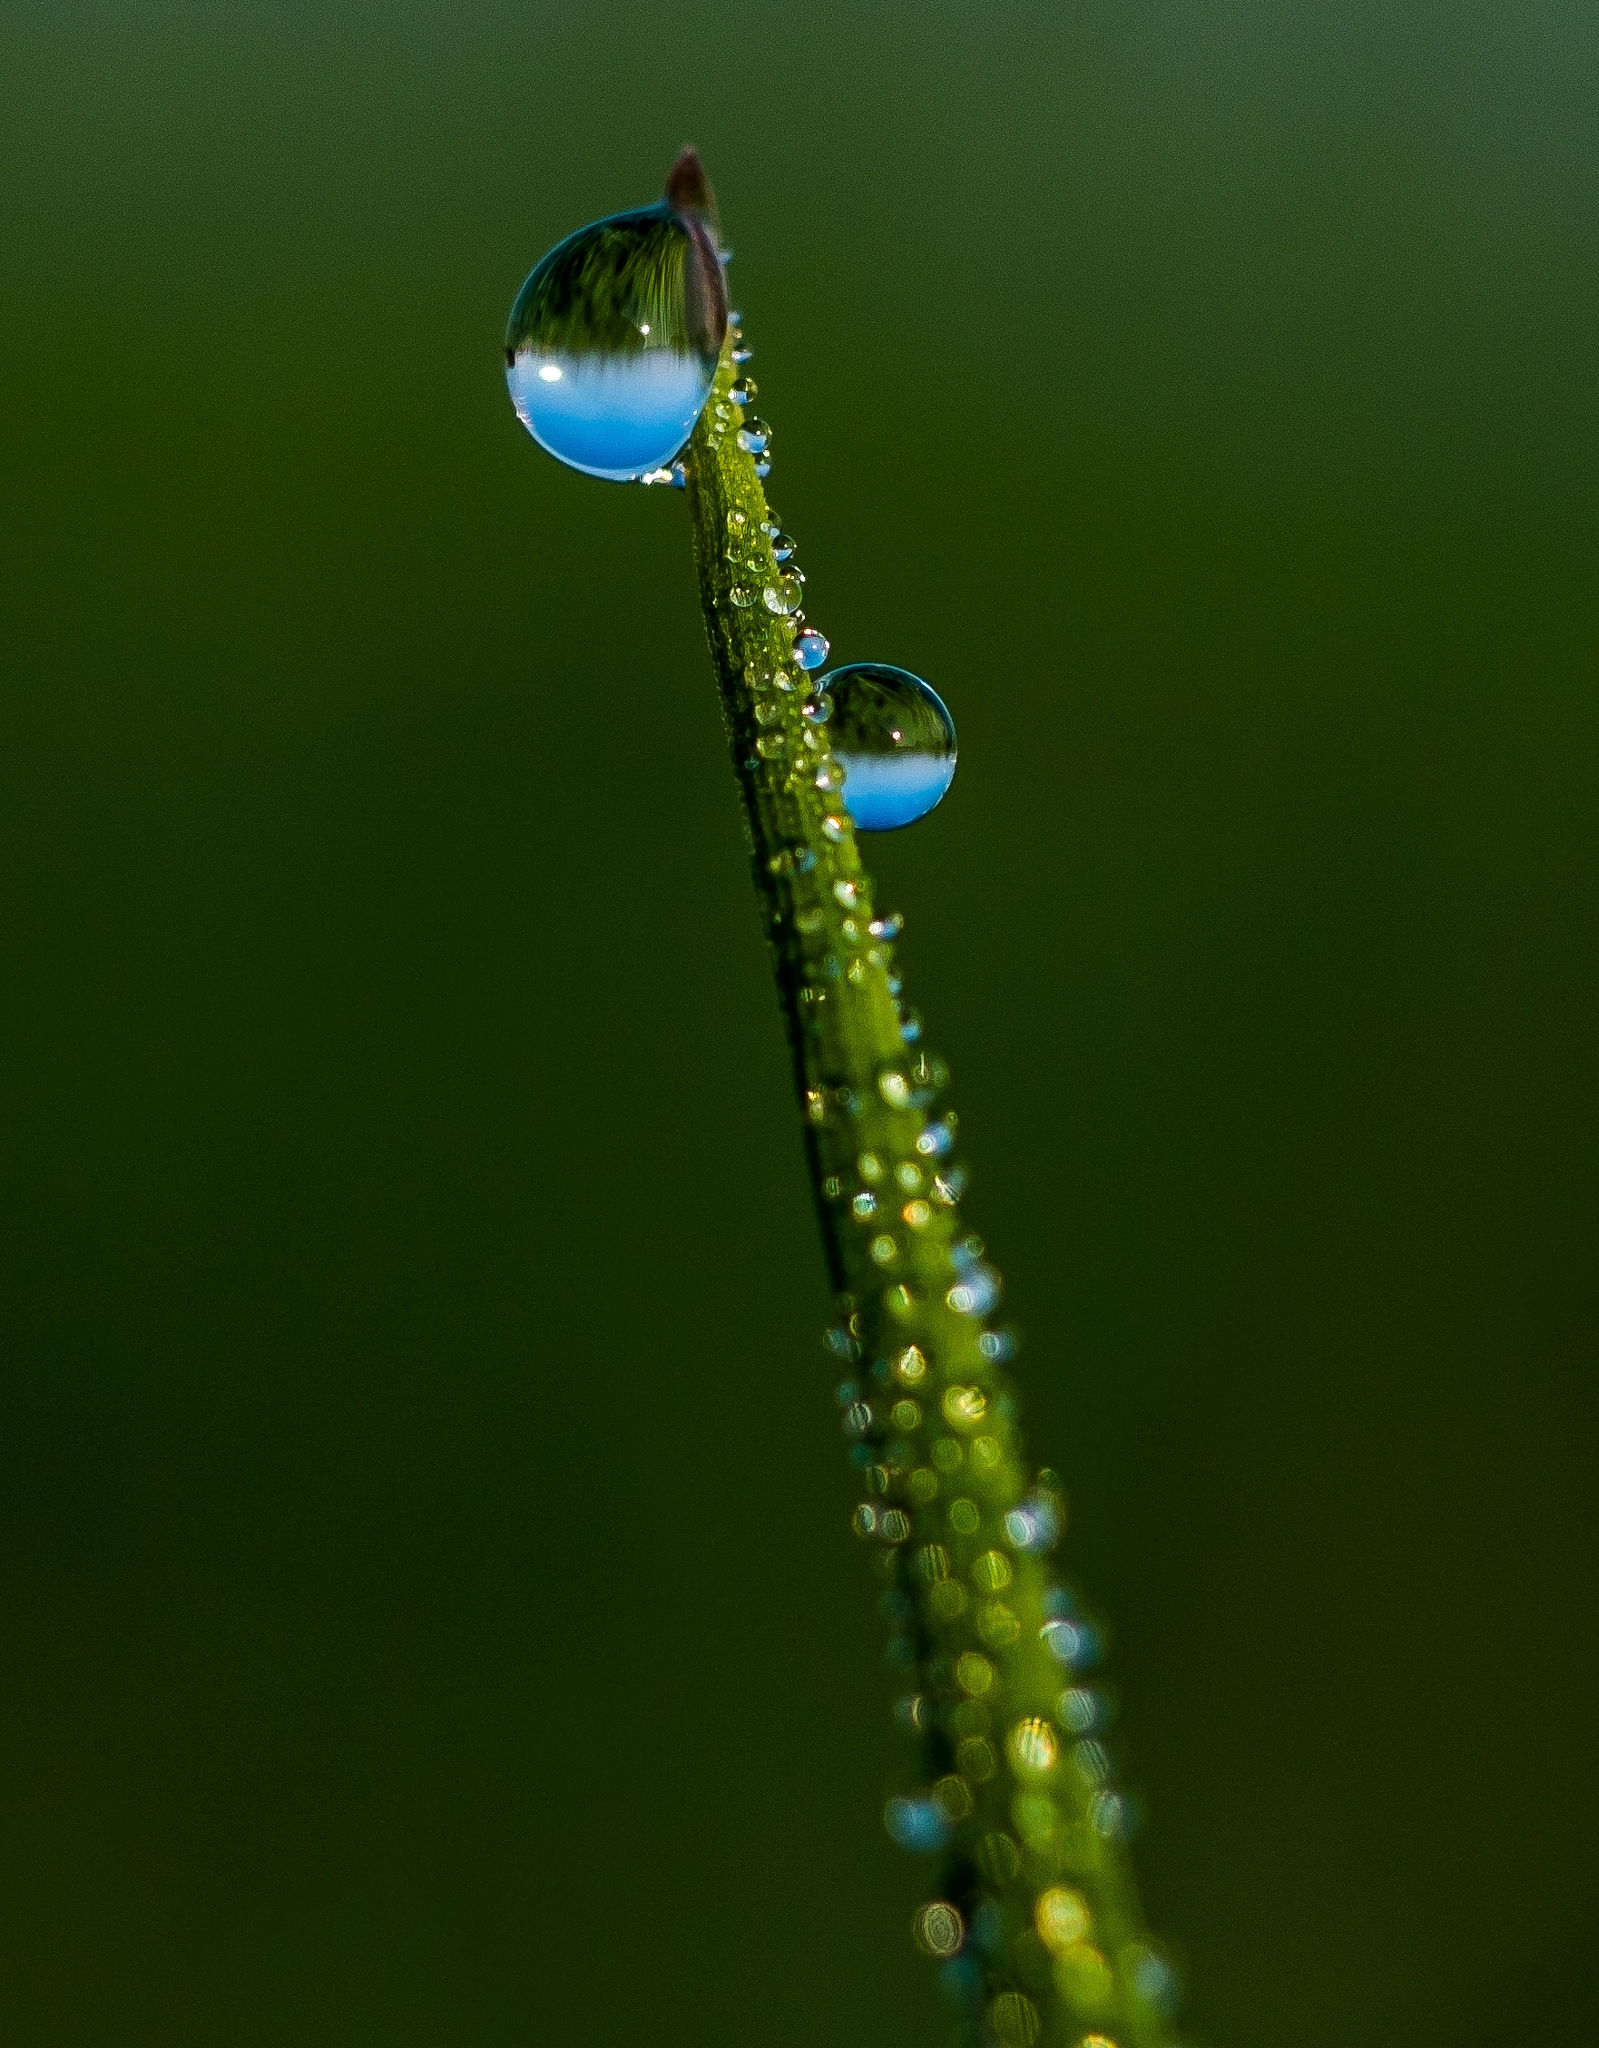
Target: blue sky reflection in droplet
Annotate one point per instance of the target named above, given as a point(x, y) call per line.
point(611, 417)
point(896, 741)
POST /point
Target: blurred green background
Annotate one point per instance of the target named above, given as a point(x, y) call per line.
point(427, 1609)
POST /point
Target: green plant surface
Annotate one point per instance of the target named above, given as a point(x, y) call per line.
point(1049, 1941)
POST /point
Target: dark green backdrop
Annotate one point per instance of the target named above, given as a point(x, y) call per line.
point(426, 1606)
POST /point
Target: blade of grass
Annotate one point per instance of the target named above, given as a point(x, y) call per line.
point(1011, 1785)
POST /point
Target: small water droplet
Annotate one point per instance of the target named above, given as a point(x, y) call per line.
point(817, 709)
point(973, 1674)
point(938, 1929)
point(783, 596)
point(771, 525)
point(743, 391)
point(1091, 1762)
point(782, 543)
point(741, 595)
point(742, 355)
point(737, 519)
point(613, 342)
point(1014, 2021)
point(1062, 1917)
point(1033, 1747)
point(755, 436)
point(1082, 1710)
point(896, 740)
point(919, 1825)
point(936, 1140)
point(811, 650)
point(1112, 1817)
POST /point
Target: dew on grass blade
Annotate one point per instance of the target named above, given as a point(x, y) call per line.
point(896, 741)
point(613, 341)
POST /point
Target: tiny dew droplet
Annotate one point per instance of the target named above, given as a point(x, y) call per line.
point(938, 1929)
point(743, 391)
point(783, 596)
point(755, 436)
point(811, 650)
point(782, 543)
point(897, 742)
point(613, 341)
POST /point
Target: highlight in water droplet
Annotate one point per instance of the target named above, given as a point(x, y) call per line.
point(613, 341)
point(896, 739)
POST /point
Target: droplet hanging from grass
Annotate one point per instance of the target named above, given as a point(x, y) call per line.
point(896, 740)
point(613, 341)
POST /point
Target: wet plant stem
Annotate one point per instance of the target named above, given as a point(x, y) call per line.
point(1036, 1919)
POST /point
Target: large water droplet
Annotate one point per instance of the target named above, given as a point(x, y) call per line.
point(896, 741)
point(613, 341)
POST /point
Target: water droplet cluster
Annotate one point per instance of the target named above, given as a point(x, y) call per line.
point(1008, 1778)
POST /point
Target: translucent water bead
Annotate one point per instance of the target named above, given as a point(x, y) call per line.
point(613, 341)
point(896, 741)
